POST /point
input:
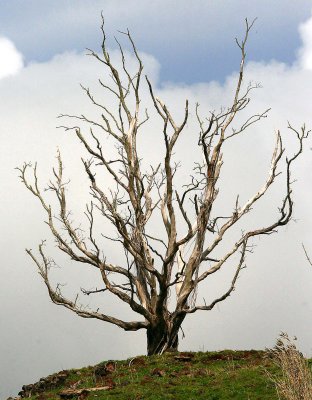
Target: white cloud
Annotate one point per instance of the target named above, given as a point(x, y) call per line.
point(196, 29)
point(11, 59)
point(30, 103)
point(305, 53)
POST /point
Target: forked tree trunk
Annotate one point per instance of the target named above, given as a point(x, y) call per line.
point(159, 339)
point(163, 336)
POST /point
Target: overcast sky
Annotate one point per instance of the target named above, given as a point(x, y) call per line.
point(189, 52)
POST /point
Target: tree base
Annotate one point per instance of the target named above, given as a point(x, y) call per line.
point(159, 340)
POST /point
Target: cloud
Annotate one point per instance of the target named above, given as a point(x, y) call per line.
point(11, 59)
point(305, 53)
point(196, 31)
point(30, 103)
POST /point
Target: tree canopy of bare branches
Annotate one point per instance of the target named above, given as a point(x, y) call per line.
point(159, 279)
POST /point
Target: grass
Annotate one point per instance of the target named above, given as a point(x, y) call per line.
point(210, 376)
point(295, 379)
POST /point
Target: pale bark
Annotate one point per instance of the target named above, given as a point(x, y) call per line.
point(154, 265)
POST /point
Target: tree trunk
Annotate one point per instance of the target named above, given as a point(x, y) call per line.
point(159, 339)
point(163, 336)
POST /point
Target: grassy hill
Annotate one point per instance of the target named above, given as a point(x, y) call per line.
point(210, 376)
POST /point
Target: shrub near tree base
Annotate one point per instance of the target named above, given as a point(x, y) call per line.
point(295, 382)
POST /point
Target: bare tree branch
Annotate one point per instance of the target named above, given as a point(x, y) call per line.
point(182, 255)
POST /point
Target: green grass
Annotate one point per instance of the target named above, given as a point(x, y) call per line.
point(208, 376)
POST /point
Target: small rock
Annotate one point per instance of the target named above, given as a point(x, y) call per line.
point(104, 369)
point(158, 372)
point(49, 382)
point(110, 366)
point(184, 357)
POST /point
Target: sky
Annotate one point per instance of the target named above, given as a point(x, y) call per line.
point(189, 52)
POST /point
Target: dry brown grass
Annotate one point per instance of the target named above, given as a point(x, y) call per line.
point(295, 380)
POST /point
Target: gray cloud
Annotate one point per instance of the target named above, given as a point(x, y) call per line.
point(181, 33)
point(273, 293)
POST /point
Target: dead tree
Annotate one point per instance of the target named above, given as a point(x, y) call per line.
point(155, 266)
